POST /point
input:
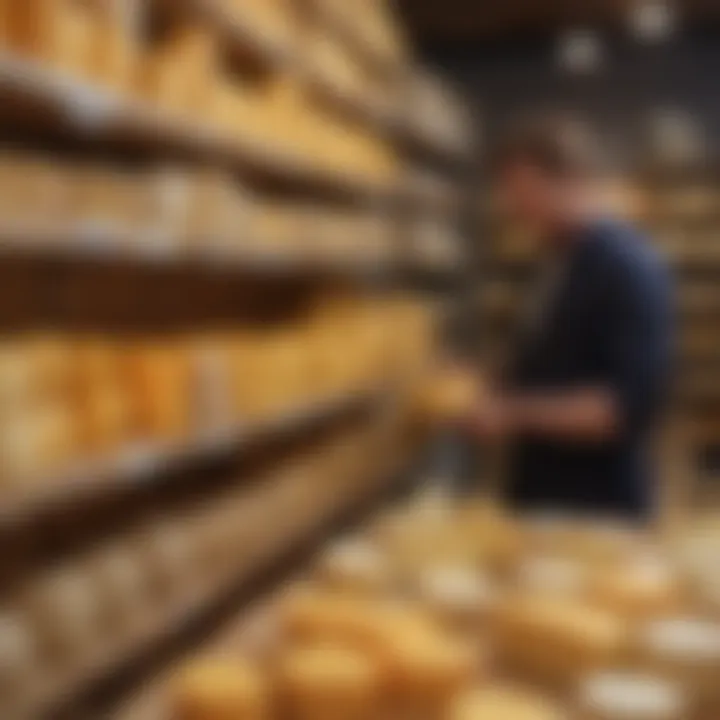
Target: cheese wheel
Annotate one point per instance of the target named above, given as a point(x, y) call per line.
point(169, 554)
point(426, 670)
point(686, 651)
point(641, 588)
point(32, 26)
point(123, 588)
point(356, 566)
point(221, 690)
point(611, 696)
point(461, 598)
point(504, 703)
point(65, 608)
point(18, 657)
point(327, 682)
point(554, 576)
point(557, 641)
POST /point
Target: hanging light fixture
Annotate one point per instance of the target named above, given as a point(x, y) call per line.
point(653, 21)
point(580, 51)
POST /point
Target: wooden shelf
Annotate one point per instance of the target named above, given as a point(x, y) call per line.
point(39, 94)
point(351, 494)
point(118, 246)
point(144, 465)
point(242, 28)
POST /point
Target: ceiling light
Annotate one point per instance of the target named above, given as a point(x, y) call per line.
point(580, 51)
point(653, 20)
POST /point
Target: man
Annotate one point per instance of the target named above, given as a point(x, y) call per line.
point(594, 358)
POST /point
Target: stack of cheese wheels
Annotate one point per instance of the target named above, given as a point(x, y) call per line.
point(556, 641)
point(504, 703)
point(220, 689)
point(613, 696)
point(686, 651)
point(327, 682)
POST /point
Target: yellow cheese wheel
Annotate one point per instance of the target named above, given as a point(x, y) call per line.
point(327, 682)
point(221, 690)
point(614, 696)
point(427, 669)
point(504, 703)
point(557, 641)
point(685, 650)
point(357, 566)
point(641, 588)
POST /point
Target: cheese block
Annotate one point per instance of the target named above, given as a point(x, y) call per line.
point(504, 703)
point(613, 696)
point(557, 641)
point(327, 682)
point(221, 689)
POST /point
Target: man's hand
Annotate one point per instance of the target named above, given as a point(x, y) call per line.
point(583, 415)
point(493, 419)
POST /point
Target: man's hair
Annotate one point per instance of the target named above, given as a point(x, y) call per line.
point(560, 145)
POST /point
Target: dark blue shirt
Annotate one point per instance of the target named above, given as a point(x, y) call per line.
point(610, 324)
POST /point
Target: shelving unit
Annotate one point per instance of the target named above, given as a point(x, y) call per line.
point(682, 216)
point(116, 273)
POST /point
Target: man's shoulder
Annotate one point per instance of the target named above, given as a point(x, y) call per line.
point(623, 251)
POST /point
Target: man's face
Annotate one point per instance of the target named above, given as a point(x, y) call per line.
point(531, 198)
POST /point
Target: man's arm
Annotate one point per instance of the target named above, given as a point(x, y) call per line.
point(636, 351)
point(582, 414)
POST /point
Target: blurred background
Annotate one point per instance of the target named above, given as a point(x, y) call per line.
point(241, 241)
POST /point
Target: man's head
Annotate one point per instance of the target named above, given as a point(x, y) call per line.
point(546, 173)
